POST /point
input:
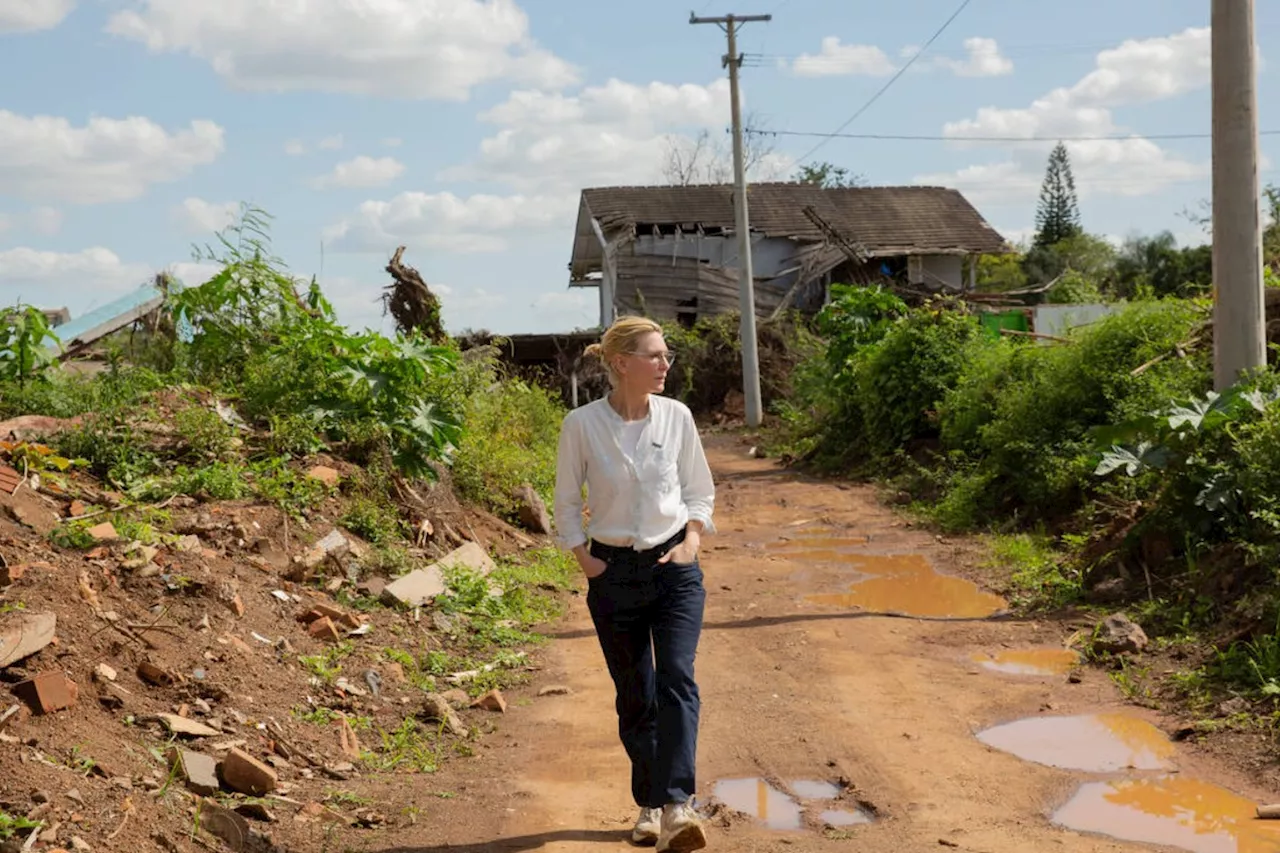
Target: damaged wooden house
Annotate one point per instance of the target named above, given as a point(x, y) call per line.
point(671, 251)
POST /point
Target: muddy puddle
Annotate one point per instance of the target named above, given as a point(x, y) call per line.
point(1096, 743)
point(909, 585)
point(823, 543)
point(779, 811)
point(1041, 662)
point(1174, 811)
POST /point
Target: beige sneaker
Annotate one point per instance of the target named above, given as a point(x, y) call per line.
point(648, 827)
point(682, 830)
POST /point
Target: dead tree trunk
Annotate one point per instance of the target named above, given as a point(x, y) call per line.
point(411, 302)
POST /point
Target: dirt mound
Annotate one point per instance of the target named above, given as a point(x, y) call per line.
point(227, 668)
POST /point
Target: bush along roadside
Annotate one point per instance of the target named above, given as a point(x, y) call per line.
point(266, 593)
point(1105, 472)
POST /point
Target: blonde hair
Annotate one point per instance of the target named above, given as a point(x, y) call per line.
point(621, 339)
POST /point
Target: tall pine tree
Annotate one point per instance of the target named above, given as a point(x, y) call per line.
point(1058, 215)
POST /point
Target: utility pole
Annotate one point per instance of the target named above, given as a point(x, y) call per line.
point(1239, 321)
point(746, 285)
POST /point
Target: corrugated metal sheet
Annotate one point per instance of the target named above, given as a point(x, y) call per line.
point(105, 319)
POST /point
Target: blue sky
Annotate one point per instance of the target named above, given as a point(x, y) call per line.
point(465, 129)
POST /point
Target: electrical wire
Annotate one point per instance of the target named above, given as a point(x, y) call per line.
point(903, 70)
point(1000, 139)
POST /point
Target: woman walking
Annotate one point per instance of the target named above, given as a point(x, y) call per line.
point(650, 497)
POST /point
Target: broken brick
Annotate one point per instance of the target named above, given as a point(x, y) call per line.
point(491, 701)
point(104, 532)
point(320, 611)
point(12, 574)
point(77, 509)
point(237, 605)
point(325, 474)
point(47, 692)
point(245, 774)
point(324, 629)
point(152, 674)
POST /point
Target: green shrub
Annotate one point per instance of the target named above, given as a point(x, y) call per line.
point(1023, 412)
point(511, 437)
point(902, 379)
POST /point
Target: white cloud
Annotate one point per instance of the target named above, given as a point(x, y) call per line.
point(984, 60)
point(838, 60)
point(438, 49)
point(193, 274)
point(615, 133)
point(1136, 72)
point(86, 278)
point(445, 221)
point(206, 217)
point(46, 221)
point(47, 158)
point(29, 16)
point(295, 148)
point(361, 172)
point(331, 143)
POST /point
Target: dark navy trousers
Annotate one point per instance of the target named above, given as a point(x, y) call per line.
point(648, 617)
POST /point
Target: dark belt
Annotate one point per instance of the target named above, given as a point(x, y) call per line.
point(607, 552)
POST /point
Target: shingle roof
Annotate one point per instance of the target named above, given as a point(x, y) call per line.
point(886, 220)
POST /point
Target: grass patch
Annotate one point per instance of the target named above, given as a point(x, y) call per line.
point(327, 666)
point(412, 747)
point(1041, 576)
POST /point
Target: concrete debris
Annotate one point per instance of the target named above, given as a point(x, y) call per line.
point(24, 634)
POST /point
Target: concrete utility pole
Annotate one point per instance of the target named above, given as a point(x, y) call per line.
point(746, 286)
point(1239, 321)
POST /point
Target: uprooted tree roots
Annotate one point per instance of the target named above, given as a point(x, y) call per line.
point(411, 302)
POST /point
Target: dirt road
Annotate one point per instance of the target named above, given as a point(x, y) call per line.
point(820, 713)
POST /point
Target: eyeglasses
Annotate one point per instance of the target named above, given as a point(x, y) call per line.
point(668, 356)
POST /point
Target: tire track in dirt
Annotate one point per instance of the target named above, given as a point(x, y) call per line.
point(793, 692)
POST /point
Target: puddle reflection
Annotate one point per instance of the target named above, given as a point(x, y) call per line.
point(1030, 661)
point(778, 811)
point(1101, 743)
point(761, 800)
point(1173, 811)
point(907, 584)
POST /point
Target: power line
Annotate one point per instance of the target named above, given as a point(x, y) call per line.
point(1001, 139)
point(903, 70)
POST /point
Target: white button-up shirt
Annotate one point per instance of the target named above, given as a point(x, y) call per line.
point(639, 502)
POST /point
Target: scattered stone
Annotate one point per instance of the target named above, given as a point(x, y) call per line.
point(418, 587)
point(374, 681)
point(47, 692)
point(257, 811)
point(104, 532)
point(491, 701)
point(341, 771)
point(372, 587)
point(437, 708)
point(30, 510)
point(30, 427)
point(237, 605)
point(1233, 706)
point(1118, 634)
point(198, 771)
point(555, 690)
point(186, 727)
point(74, 795)
point(104, 672)
point(77, 509)
point(395, 672)
point(344, 684)
point(457, 698)
point(79, 845)
point(369, 818)
point(245, 774)
point(189, 544)
point(325, 474)
point(224, 824)
point(532, 510)
point(24, 634)
point(334, 544)
point(142, 556)
point(113, 697)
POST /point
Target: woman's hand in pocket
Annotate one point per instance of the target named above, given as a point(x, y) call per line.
point(592, 567)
